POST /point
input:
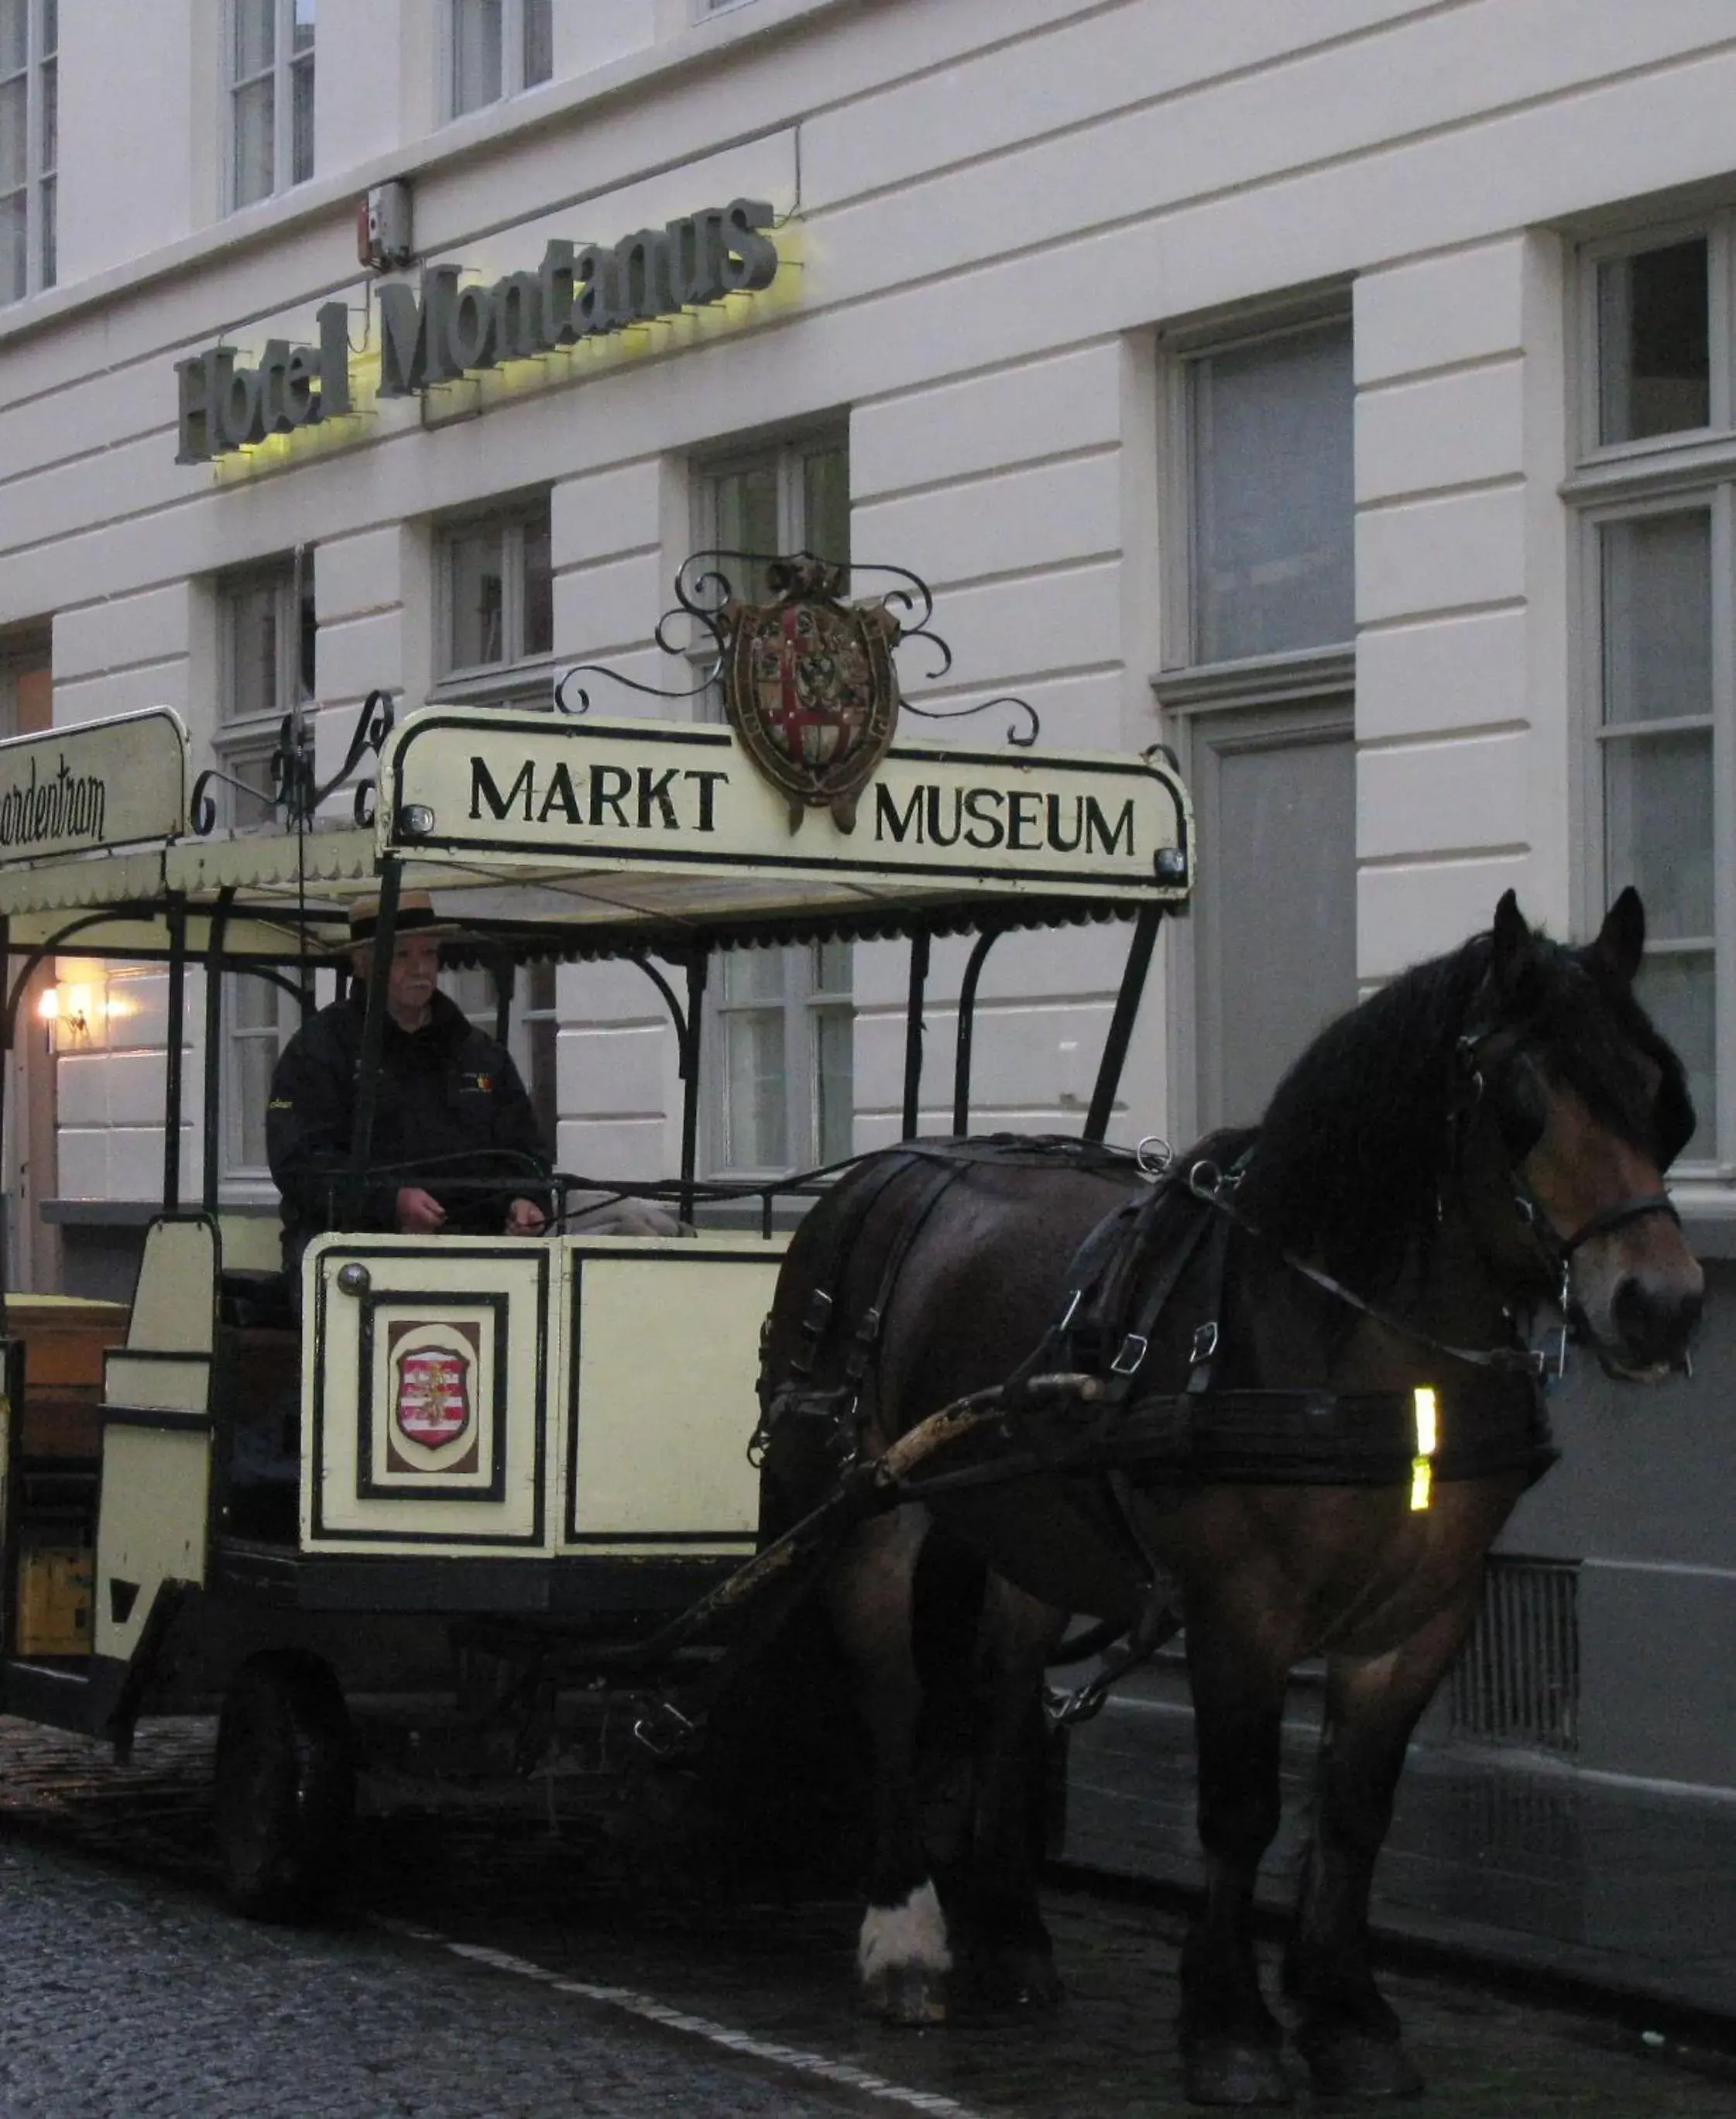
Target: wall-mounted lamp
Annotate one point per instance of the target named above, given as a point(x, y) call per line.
point(66, 1014)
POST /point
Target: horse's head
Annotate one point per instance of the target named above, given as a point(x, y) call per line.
point(1587, 1106)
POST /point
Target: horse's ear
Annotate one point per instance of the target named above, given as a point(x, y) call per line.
point(1621, 941)
point(1513, 942)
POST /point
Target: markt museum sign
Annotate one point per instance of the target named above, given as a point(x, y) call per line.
point(450, 330)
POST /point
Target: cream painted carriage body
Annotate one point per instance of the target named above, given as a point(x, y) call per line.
point(471, 1447)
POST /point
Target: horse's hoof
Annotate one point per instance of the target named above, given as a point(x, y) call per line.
point(906, 1994)
point(1354, 2063)
point(1224, 2071)
point(1003, 1979)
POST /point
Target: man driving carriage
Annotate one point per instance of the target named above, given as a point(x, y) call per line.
point(456, 1145)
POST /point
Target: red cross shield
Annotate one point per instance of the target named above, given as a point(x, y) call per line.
point(810, 688)
point(433, 1395)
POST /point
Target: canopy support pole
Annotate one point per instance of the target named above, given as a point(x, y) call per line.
point(505, 974)
point(1122, 1022)
point(698, 964)
point(373, 1041)
point(913, 1033)
point(174, 1065)
point(10, 1192)
point(967, 1028)
point(214, 1042)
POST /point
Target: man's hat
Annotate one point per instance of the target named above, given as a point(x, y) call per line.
point(416, 916)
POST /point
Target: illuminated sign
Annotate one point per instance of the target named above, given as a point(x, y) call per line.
point(587, 291)
point(226, 406)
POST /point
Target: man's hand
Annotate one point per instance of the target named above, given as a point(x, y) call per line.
point(419, 1213)
point(524, 1218)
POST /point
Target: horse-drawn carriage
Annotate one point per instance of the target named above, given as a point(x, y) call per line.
point(479, 1509)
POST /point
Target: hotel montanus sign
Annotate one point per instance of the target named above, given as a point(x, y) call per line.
point(110, 783)
point(448, 331)
point(682, 794)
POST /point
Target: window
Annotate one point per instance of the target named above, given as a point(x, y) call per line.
point(265, 663)
point(495, 603)
point(271, 80)
point(533, 1027)
point(781, 1032)
point(265, 658)
point(1259, 623)
point(30, 145)
point(499, 47)
point(1659, 568)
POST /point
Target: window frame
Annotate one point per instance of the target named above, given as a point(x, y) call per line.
point(801, 1001)
point(286, 63)
point(1606, 483)
point(516, 677)
point(514, 45)
point(1310, 690)
point(40, 74)
point(239, 740)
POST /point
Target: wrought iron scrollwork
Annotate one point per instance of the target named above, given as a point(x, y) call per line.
point(294, 789)
point(705, 593)
point(1021, 736)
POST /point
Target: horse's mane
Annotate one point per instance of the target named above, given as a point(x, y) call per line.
point(1358, 1138)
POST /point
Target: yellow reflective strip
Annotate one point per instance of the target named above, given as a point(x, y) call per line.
point(1424, 1399)
point(1422, 1481)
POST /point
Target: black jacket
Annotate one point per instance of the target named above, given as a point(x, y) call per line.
point(451, 1106)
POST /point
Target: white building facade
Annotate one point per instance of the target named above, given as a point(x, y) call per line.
point(1343, 392)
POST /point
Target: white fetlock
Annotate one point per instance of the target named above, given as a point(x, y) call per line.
point(907, 1938)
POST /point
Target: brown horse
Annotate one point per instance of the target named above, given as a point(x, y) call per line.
point(1480, 1143)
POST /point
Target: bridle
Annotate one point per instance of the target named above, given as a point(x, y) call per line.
point(1486, 1049)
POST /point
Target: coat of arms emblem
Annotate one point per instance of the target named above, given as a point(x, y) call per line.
point(809, 686)
point(433, 1403)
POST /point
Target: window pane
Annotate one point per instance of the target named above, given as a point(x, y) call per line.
point(475, 55)
point(747, 504)
point(1273, 501)
point(1658, 829)
point(253, 768)
point(1658, 617)
point(302, 31)
point(253, 650)
point(50, 26)
point(753, 1040)
point(754, 975)
point(538, 589)
point(14, 166)
point(14, 35)
point(832, 972)
point(539, 41)
point(50, 250)
point(255, 142)
point(1652, 342)
point(301, 119)
point(825, 504)
point(50, 117)
point(255, 37)
point(478, 594)
point(1677, 992)
point(834, 1089)
point(14, 255)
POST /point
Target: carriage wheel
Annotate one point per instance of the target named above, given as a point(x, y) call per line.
point(285, 1785)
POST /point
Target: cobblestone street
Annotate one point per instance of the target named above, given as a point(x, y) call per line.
point(483, 1970)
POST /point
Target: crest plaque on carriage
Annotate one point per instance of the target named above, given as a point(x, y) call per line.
point(809, 686)
point(432, 1403)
